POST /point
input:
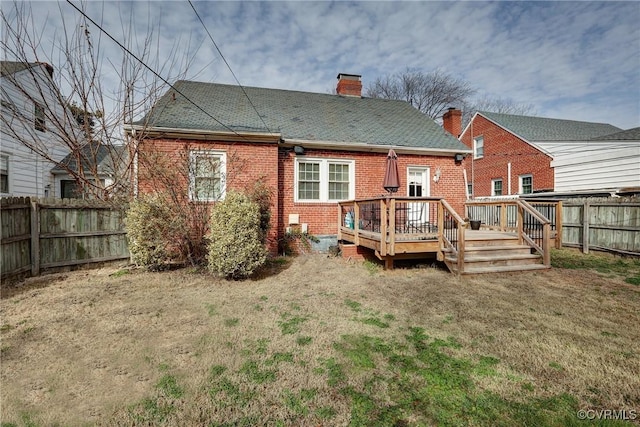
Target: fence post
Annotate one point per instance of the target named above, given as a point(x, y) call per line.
point(585, 227)
point(35, 238)
point(559, 216)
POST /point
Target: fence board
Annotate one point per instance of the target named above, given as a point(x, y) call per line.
point(609, 224)
point(70, 232)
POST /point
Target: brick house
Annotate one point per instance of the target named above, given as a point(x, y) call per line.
point(515, 155)
point(312, 149)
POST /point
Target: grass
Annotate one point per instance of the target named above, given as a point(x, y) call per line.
point(625, 267)
point(332, 346)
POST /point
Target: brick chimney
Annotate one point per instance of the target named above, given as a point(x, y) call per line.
point(452, 122)
point(349, 85)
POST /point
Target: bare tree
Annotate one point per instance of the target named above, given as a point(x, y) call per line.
point(87, 121)
point(495, 105)
point(432, 93)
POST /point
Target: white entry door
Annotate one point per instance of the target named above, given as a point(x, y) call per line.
point(418, 186)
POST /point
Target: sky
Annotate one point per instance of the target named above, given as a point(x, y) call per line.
point(569, 60)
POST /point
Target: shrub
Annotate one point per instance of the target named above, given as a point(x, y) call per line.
point(262, 194)
point(235, 246)
point(151, 229)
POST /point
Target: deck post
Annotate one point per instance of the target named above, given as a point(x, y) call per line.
point(503, 217)
point(461, 245)
point(520, 224)
point(440, 253)
point(392, 227)
point(356, 223)
point(383, 227)
point(339, 221)
point(546, 247)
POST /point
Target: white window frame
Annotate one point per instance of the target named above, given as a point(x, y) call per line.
point(493, 187)
point(222, 156)
point(478, 142)
point(425, 173)
point(4, 158)
point(324, 179)
point(39, 117)
point(520, 179)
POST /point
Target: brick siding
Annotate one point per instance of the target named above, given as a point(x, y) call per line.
point(501, 148)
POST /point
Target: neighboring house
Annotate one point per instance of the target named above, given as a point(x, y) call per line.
point(516, 155)
point(101, 164)
point(29, 148)
point(312, 149)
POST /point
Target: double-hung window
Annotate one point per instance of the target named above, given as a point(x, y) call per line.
point(478, 147)
point(496, 187)
point(526, 184)
point(39, 118)
point(324, 180)
point(4, 174)
point(207, 173)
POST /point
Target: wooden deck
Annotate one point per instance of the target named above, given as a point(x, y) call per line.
point(518, 237)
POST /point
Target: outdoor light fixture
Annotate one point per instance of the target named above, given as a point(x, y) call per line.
point(299, 150)
point(458, 158)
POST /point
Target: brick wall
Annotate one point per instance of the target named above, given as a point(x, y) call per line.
point(369, 171)
point(501, 148)
point(248, 162)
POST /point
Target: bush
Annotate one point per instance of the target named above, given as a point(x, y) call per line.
point(262, 194)
point(151, 231)
point(236, 249)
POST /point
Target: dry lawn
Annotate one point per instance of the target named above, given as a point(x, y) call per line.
point(296, 346)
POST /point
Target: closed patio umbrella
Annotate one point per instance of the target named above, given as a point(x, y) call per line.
point(391, 181)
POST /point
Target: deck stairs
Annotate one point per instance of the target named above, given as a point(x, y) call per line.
point(493, 252)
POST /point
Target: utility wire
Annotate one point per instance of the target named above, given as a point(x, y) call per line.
point(153, 71)
point(228, 66)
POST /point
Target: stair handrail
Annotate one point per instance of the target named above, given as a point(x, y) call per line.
point(457, 247)
point(546, 231)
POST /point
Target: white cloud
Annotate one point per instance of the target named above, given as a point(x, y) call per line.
point(573, 60)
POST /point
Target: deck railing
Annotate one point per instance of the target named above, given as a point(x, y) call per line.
point(403, 225)
point(400, 219)
point(452, 236)
point(519, 216)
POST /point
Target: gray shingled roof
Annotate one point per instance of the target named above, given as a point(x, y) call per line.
point(11, 67)
point(299, 115)
point(632, 134)
point(104, 155)
point(544, 129)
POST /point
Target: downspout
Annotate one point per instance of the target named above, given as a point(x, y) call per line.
point(135, 164)
point(509, 177)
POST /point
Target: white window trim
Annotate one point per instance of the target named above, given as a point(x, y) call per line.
point(475, 147)
point(324, 179)
point(493, 187)
point(193, 154)
point(426, 174)
point(520, 178)
point(8, 157)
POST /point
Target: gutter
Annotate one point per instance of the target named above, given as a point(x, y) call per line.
point(203, 134)
point(371, 148)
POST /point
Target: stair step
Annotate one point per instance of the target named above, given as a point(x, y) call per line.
point(502, 268)
point(497, 250)
point(480, 258)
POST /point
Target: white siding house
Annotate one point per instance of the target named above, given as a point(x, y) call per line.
point(610, 163)
point(29, 145)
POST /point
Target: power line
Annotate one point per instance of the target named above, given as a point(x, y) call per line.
point(228, 66)
point(153, 71)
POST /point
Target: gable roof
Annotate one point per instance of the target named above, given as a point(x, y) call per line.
point(298, 115)
point(632, 134)
point(545, 129)
point(11, 67)
point(105, 156)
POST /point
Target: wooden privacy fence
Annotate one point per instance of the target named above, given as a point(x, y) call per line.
point(609, 224)
point(39, 234)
